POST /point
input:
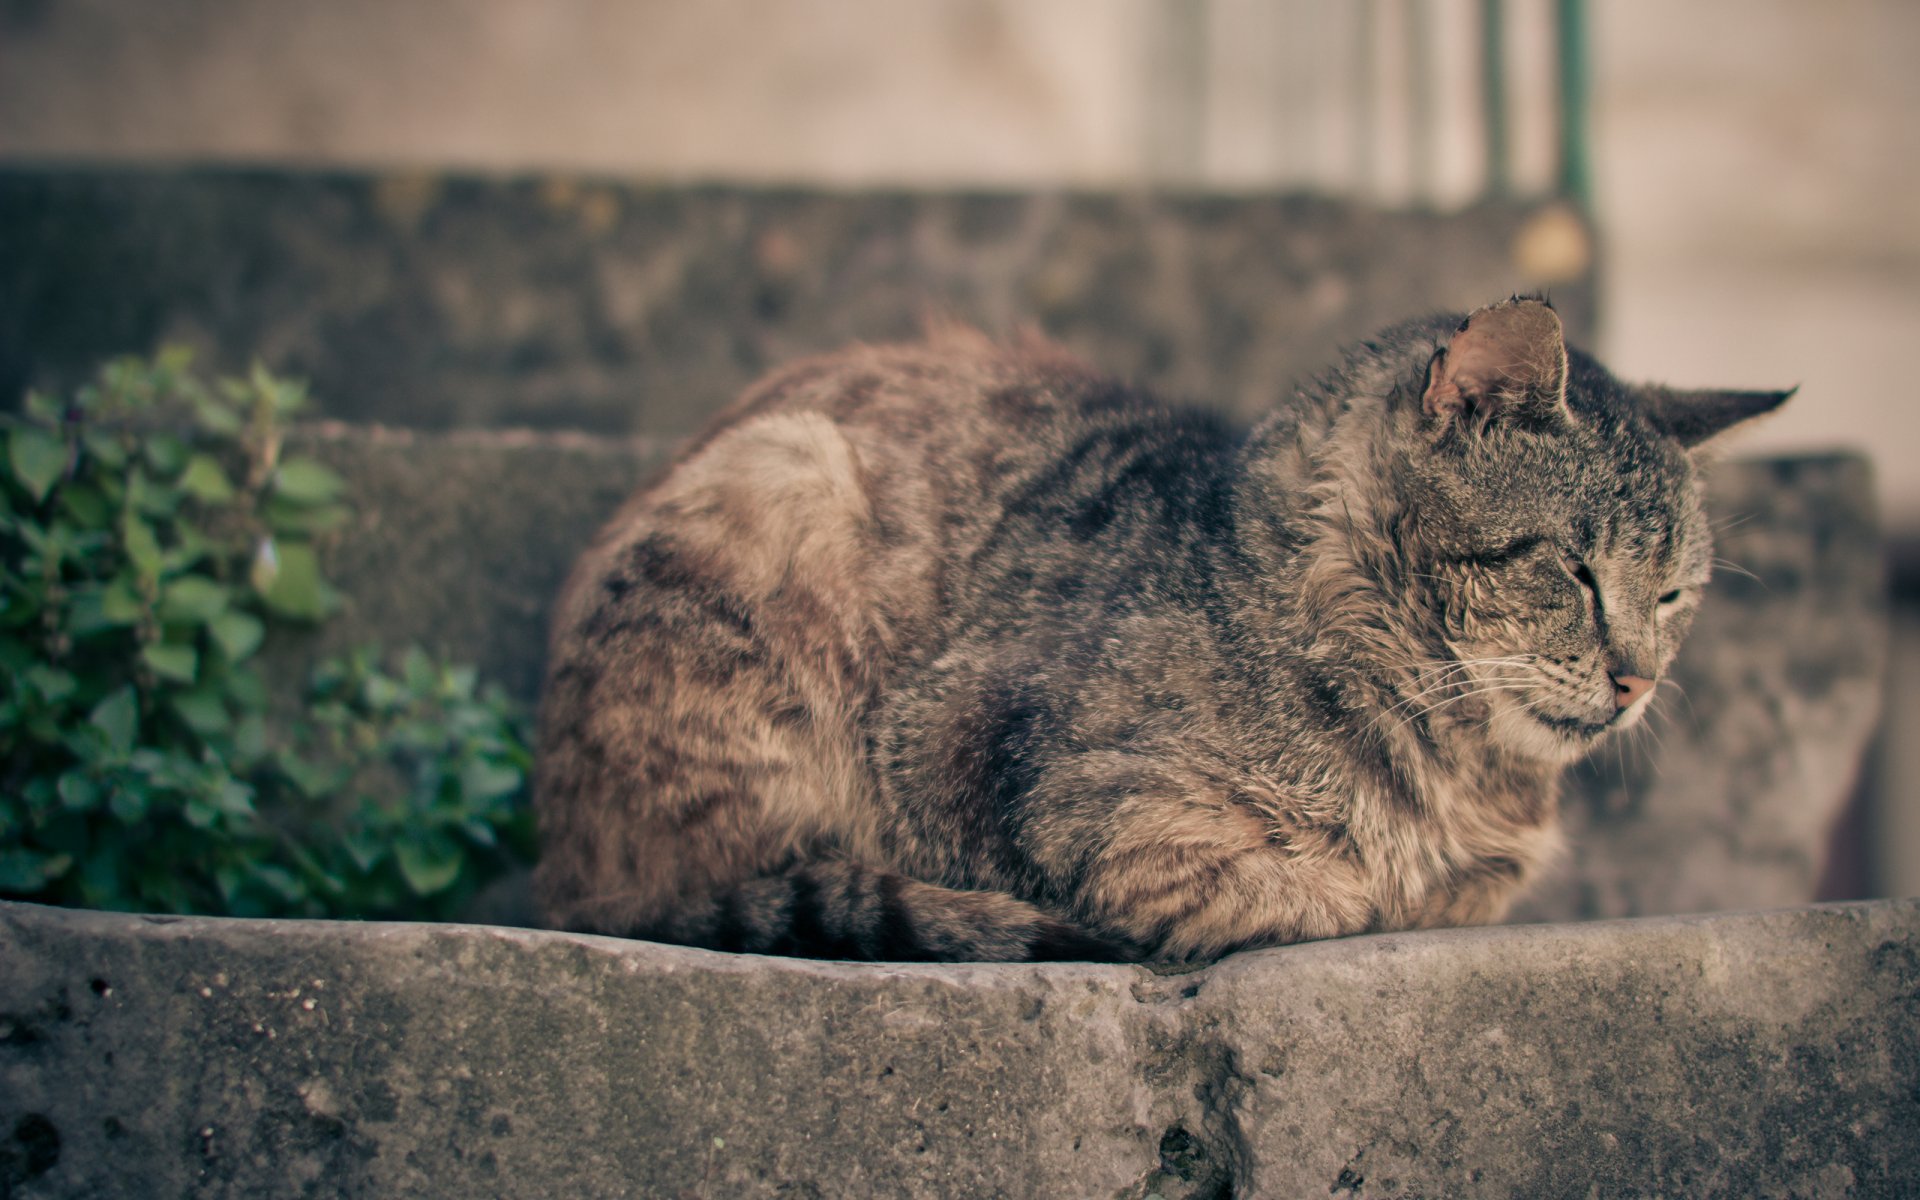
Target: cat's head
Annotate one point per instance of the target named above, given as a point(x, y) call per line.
point(1549, 524)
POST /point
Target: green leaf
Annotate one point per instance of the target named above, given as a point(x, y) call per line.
point(234, 797)
point(416, 667)
point(238, 634)
point(120, 603)
point(216, 417)
point(118, 716)
point(480, 834)
point(165, 453)
point(200, 813)
point(150, 497)
point(429, 864)
point(246, 688)
point(364, 851)
point(380, 693)
point(265, 567)
point(461, 681)
point(482, 780)
point(85, 612)
point(313, 780)
point(297, 590)
point(43, 407)
point(192, 600)
point(249, 741)
point(107, 447)
point(38, 458)
point(174, 358)
point(52, 684)
point(79, 791)
point(130, 800)
point(206, 481)
point(40, 793)
point(287, 396)
point(203, 709)
point(191, 545)
point(171, 661)
point(87, 506)
point(285, 516)
point(143, 549)
point(304, 481)
point(26, 871)
point(280, 881)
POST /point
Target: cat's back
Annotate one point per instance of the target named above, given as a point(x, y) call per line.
point(882, 460)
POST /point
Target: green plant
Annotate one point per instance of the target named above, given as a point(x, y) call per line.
point(152, 533)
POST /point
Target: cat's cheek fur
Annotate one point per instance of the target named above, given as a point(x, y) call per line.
point(1516, 729)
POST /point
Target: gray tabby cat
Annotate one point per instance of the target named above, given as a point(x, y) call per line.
point(962, 651)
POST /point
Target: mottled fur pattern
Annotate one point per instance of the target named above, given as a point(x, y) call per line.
point(962, 651)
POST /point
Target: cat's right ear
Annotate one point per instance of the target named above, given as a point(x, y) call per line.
point(1508, 361)
point(1693, 417)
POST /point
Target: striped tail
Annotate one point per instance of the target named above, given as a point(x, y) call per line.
point(837, 909)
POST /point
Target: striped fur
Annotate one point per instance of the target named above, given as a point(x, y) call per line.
point(963, 651)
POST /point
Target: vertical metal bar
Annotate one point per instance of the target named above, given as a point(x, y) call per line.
point(1177, 122)
point(1493, 95)
point(1366, 87)
point(1423, 99)
point(1576, 179)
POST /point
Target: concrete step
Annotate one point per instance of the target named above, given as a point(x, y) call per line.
point(434, 301)
point(1757, 1054)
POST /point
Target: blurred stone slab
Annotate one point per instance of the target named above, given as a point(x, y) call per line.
point(438, 301)
point(461, 541)
point(1757, 1054)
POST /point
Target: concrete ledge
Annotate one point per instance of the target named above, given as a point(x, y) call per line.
point(1771, 1053)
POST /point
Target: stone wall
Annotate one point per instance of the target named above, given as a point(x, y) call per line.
point(592, 304)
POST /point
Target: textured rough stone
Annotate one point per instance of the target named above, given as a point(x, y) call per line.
point(1757, 1054)
point(431, 301)
point(460, 540)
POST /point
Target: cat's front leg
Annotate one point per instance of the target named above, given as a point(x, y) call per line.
point(1190, 867)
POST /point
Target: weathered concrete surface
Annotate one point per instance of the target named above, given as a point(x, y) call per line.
point(619, 307)
point(462, 538)
point(1743, 1055)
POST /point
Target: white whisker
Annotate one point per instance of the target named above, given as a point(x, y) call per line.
point(1729, 565)
point(1483, 691)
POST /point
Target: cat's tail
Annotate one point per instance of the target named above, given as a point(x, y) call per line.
point(840, 909)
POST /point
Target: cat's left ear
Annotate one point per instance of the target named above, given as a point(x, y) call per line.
point(1693, 417)
point(1508, 360)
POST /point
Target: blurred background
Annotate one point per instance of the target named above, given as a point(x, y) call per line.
point(1737, 182)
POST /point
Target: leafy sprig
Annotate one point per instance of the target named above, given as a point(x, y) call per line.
point(152, 531)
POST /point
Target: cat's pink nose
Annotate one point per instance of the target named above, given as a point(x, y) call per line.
point(1628, 688)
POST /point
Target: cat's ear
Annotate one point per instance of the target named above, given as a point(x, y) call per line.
point(1694, 417)
point(1508, 360)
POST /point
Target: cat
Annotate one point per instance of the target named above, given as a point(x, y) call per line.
point(959, 650)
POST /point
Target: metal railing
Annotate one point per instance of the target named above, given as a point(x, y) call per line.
point(1428, 102)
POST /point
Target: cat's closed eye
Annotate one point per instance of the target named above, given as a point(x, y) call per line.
point(1583, 575)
